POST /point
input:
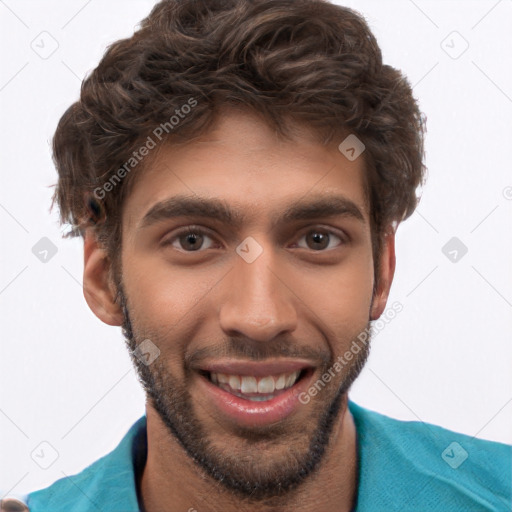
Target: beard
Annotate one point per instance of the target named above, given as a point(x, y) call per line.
point(258, 465)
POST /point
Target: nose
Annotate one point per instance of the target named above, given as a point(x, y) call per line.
point(257, 300)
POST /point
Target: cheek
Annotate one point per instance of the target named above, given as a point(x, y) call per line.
point(340, 297)
point(164, 299)
point(343, 287)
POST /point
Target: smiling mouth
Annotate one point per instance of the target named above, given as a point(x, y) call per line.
point(256, 388)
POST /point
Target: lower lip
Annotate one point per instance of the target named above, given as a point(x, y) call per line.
point(247, 413)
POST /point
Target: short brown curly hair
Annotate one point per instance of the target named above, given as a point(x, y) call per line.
point(308, 60)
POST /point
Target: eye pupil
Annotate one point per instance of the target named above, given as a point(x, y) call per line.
point(193, 239)
point(320, 238)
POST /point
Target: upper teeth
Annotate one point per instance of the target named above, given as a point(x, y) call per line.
point(250, 384)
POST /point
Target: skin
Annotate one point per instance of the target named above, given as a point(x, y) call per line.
point(311, 301)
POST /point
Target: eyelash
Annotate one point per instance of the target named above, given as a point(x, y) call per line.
point(196, 230)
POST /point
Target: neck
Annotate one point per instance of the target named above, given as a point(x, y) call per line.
point(170, 477)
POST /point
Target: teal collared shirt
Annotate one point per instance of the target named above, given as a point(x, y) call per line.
point(403, 466)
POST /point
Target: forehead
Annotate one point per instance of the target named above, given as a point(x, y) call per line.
point(242, 162)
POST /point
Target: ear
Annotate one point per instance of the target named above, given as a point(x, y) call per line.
point(386, 273)
point(99, 291)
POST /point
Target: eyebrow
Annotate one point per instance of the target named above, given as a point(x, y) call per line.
point(193, 206)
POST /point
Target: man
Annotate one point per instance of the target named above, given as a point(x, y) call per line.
point(238, 170)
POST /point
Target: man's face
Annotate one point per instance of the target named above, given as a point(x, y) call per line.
point(256, 302)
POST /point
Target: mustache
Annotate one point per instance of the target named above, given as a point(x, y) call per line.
point(237, 348)
point(248, 349)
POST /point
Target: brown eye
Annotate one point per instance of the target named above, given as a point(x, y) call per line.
point(190, 240)
point(319, 239)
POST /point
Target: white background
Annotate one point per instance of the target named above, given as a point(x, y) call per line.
point(67, 379)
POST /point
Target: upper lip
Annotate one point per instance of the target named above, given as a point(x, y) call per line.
point(255, 368)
